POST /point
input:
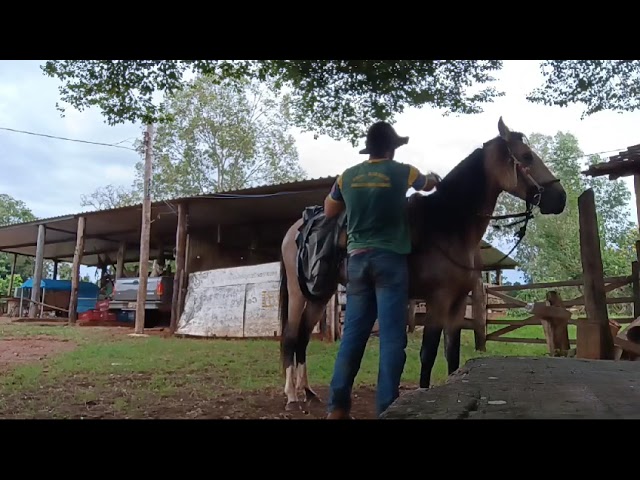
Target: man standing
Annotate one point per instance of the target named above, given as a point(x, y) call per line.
point(374, 193)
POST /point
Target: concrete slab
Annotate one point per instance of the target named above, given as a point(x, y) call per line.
point(528, 388)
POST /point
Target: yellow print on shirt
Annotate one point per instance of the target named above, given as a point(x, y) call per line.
point(371, 180)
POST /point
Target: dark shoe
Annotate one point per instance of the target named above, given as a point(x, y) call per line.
point(339, 414)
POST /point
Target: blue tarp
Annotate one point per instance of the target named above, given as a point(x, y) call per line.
point(85, 289)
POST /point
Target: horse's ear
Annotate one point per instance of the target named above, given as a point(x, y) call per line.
point(503, 129)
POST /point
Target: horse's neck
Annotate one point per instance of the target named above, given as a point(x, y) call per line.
point(479, 227)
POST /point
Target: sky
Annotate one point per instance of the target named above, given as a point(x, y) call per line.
point(50, 175)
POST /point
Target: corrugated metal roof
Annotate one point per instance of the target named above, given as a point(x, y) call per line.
point(254, 190)
point(106, 227)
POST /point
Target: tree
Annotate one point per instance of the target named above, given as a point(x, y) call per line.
point(110, 196)
point(222, 138)
point(550, 250)
point(339, 98)
point(597, 84)
point(14, 211)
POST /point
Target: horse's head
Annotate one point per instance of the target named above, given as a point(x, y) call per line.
point(518, 170)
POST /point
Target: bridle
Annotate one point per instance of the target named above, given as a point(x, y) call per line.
point(518, 169)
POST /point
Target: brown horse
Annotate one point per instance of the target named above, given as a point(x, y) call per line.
point(447, 228)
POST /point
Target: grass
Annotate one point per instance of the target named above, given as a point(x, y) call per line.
point(129, 373)
point(244, 365)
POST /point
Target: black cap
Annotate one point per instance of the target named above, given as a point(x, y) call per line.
point(382, 134)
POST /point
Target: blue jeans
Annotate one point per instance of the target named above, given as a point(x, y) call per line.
point(377, 286)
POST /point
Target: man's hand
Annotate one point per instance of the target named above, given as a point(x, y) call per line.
point(433, 179)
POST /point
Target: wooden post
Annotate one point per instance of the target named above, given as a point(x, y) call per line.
point(635, 284)
point(178, 275)
point(55, 269)
point(122, 248)
point(594, 335)
point(184, 282)
point(555, 324)
point(479, 313)
point(37, 274)
point(332, 315)
point(498, 277)
point(411, 313)
point(13, 272)
point(75, 271)
point(636, 185)
point(145, 231)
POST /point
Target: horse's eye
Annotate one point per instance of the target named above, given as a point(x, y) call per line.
point(527, 157)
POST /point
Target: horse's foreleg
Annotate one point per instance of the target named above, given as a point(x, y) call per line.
point(312, 315)
point(291, 341)
point(429, 348)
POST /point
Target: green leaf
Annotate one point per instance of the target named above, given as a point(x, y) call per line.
point(339, 98)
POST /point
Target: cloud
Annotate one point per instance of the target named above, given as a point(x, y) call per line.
point(50, 175)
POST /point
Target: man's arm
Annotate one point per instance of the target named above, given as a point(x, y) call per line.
point(334, 203)
point(422, 182)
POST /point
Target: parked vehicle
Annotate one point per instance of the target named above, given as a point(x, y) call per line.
point(158, 303)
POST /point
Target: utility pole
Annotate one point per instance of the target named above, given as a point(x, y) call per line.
point(145, 231)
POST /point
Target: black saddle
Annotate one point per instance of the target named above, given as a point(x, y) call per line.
point(319, 255)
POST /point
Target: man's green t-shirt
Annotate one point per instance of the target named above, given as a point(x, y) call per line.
point(375, 197)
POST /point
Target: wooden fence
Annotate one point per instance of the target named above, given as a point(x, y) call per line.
point(552, 299)
point(489, 304)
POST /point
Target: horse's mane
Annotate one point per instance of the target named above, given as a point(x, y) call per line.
point(454, 206)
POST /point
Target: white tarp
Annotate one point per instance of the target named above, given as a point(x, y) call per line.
point(232, 302)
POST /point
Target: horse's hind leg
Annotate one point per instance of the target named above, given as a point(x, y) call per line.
point(429, 351)
point(291, 341)
point(435, 319)
point(312, 314)
point(452, 335)
point(452, 349)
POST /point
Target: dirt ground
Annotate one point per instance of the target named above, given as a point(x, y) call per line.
point(77, 398)
point(15, 351)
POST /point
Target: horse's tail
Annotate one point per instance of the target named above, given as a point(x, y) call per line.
point(283, 308)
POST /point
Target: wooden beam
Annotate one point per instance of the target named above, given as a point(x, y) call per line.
point(122, 249)
point(145, 232)
point(13, 272)
point(55, 269)
point(69, 240)
point(594, 335)
point(608, 288)
point(479, 314)
point(75, 271)
point(635, 271)
point(636, 188)
point(37, 273)
point(523, 340)
point(555, 323)
point(506, 298)
point(332, 316)
point(532, 320)
point(564, 283)
point(181, 260)
point(411, 312)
